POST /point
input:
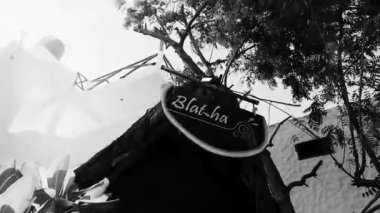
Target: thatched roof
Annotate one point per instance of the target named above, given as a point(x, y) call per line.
point(152, 163)
point(132, 145)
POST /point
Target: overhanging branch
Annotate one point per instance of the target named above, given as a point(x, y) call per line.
point(161, 24)
point(190, 23)
point(270, 144)
point(359, 182)
point(235, 55)
point(176, 46)
point(371, 202)
point(374, 209)
point(218, 61)
point(231, 61)
point(340, 166)
point(362, 67)
point(199, 53)
point(245, 50)
point(188, 60)
point(157, 35)
point(302, 181)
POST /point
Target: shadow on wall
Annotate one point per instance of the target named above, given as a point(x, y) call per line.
point(331, 191)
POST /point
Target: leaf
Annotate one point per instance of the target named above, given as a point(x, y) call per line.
point(5, 174)
point(7, 209)
point(59, 164)
point(29, 207)
point(370, 192)
point(317, 113)
point(56, 182)
point(374, 190)
point(109, 206)
point(20, 193)
point(70, 186)
point(58, 177)
point(91, 192)
point(47, 207)
point(327, 129)
point(98, 189)
point(62, 205)
point(294, 139)
point(8, 177)
point(42, 196)
point(100, 199)
point(43, 177)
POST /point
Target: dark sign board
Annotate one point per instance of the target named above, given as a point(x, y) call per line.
point(213, 119)
point(314, 148)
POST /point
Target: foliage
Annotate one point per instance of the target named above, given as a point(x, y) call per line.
point(317, 113)
point(207, 23)
point(326, 46)
point(8, 177)
point(51, 191)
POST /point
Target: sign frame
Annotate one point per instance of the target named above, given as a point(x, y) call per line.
point(207, 146)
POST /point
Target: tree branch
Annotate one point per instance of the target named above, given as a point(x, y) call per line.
point(371, 202)
point(343, 89)
point(359, 182)
point(362, 137)
point(218, 61)
point(245, 50)
point(275, 184)
point(179, 46)
point(302, 181)
point(161, 24)
point(176, 46)
point(270, 143)
point(190, 23)
point(231, 61)
point(374, 209)
point(340, 166)
point(188, 60)
point(203, 22)
point(199, 53)
point(157, 35)
point(355, 123)
point(236, 55)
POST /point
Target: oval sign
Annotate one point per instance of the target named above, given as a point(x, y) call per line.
point(213, 119)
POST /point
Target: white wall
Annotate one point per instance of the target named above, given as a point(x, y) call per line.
point(331, 191)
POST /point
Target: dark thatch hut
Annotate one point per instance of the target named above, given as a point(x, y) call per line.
point(152, 167)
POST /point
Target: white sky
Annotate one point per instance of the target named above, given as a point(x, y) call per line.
point(92, 31)
point(95, 39)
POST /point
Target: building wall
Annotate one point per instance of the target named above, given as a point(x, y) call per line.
point(331, 191)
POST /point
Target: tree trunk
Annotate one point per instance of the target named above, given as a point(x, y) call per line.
point(354, 121)
point(275, 183)
point(188, 61)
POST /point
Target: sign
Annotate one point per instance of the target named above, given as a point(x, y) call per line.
point(314, 148)
point(213, 120)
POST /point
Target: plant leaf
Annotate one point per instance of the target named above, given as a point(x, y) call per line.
point(62, 205)
point(70, 186)
point(7, 209)
point(47, 207)
point(56, 182)
point(109, 206)
point(58, 178)
point(9, 177)
point(28, 208)
point(41, 196)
